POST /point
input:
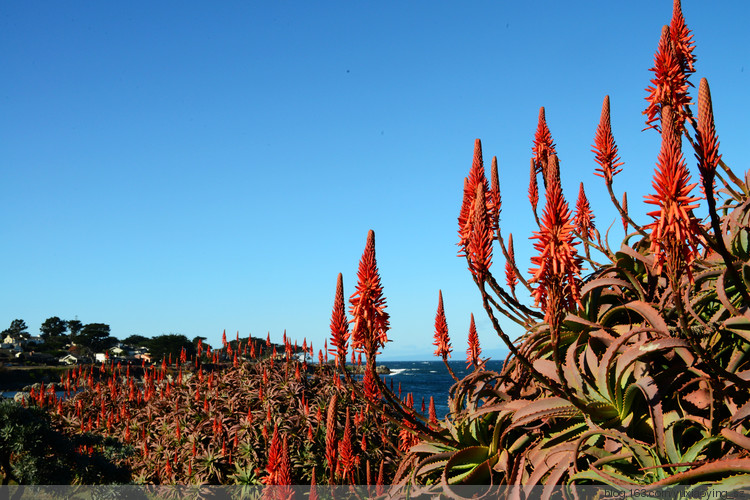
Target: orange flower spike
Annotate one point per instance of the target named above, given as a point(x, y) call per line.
point(558, 264)
point(707, 141)
point(584, 218)
point(432, 414)
point(479, 248)
point(473, 351)
point(371, 390)
point(533, 187)
point(510, 266)
point(497, 202)
point(674, 232)
point(442, 340)
point(339, 323)
point(274, 457)
point(682, 39)
point(476, 177)
point(331, 445)
point(283, 475)
point(605, 149)
point(543, 146)
point(669, 85)
point(370, 321)
point(346, 455)
point(624, 205)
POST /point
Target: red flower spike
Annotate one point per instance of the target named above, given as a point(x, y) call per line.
point(379, 481)
point(674, 232)
point(682, 40)
point(370, 321)
point(432, 414)
point(331, 446)
point(371, 389)
point(558, 264)
point(605, 149)
point(510, 266)
point(283, 475)
point(533, 187)
point(669, 85)
point(553, 170)
point(442, 340)
point(625, 211)
point(274, 457)
point(479, 248)
point(584, 218)
point(495, 198)
point(339, 323)
point(475, 178)
point(346, 455)
point(224, 338)
point(707, 141)
point(543, 146)
point(473, 351)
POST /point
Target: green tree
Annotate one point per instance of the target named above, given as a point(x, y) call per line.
point(53, 327)
point(137, 341)
point(17, 328)
point(74, 327)
point(96, 337)
point(164, 345)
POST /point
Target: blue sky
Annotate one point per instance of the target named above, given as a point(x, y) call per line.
point(186, 167)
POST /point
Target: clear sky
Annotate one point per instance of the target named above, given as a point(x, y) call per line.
point(189, 167)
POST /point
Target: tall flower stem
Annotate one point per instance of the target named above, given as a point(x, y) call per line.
point(710, 361)
point(544, 381)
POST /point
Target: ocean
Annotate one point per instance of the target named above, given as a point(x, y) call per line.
point(428, 378)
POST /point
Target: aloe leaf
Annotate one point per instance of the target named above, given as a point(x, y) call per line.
point(471, 465)
point(644, 309)
point(545, 407)
point(739, 325)
point(722, 466)
point(691, 455)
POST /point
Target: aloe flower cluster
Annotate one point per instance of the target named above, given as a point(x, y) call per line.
point(478, 219)
point(674, 233)
point(558, 270)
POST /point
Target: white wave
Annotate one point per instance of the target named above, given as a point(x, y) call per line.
point(433, 371)
point(399, 371)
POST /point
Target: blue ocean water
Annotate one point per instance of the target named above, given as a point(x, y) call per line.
point(428, 378)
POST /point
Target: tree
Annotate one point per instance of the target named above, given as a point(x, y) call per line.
point(164, 345)
point(74, 327)
point(17, 328)
point(137, 340)
point(53, 327)
point(96, 336)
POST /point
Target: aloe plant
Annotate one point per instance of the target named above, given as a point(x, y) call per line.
point(637, 375)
